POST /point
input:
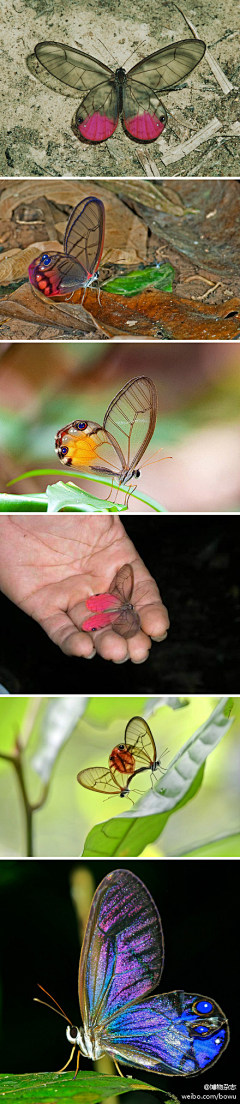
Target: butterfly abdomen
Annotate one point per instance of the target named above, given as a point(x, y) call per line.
point(122, 759)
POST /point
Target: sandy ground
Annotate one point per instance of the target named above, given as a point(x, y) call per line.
point(37, 138)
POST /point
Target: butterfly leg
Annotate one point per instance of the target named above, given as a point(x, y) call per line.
point(70, 1059)
point(77, 1066)
point(117, 1067)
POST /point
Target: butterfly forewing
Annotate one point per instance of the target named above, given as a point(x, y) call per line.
point(72, 67)
point(102, 780)
point(139, 739)
point(84, 234)
point(122, 952)
point(166, 67)
point(122, 583)
point(131, 419)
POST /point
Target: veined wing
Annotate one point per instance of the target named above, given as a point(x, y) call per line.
point(55, 273)
point(84, 235)
point(122, 953)
point(87, 446)
point(167, 1034)
point(144, 116)
point(131, 419)
point(139, 738)
point(122, 584)
point(72, 67)
point(102, 780)
point(166, 67)
point(97, 117)
point(127, 623)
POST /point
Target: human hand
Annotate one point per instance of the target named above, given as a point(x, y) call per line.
point(50, 565)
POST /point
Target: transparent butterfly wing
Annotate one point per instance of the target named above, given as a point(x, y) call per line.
point(131, 419)
point(97, 117)
point(84, 235)
point(166, 1034)
point(102, 780)
point(122, 953)
point(122, 583)
point(72, 67)
point(139, 739)
point(59, 276)
point(166, 67)
point(144, 116)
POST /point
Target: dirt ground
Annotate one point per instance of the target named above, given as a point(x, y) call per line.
point(37, 139)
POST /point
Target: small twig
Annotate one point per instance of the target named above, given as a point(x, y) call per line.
point(187, 279)
point(15, 758)
point(209, 292)
point(225, 84)
point(148, 165)
point(175, 153)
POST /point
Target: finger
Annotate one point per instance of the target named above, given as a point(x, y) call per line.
point(139, 647)
point(154, 620)
point(111, 646)
point(63, 633)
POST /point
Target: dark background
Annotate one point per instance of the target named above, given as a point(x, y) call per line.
point(195, 560)
point(39, 943)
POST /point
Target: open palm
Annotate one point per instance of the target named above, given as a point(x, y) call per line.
point(49, 566)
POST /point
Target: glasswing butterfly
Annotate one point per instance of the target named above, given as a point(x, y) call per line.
point(114, 609)
point(62, 274)
point(121, 963)
point(132, 96)
point(138, 752)
point(116, 447)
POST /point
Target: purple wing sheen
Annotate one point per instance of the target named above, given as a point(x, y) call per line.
point(131, 419)
point(54, 274)
point(70, 66)
point(166, 67)
point(84, 235)
point(103, 780)
point(138, 736)
point(97, 117)
point(122, 583)
point(176, 1033)
point(122, 952)
point(144, 116)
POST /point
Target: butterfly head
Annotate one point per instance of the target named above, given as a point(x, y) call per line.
point(73, 443)
point(85, 1040)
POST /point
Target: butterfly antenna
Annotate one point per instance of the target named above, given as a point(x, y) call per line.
point(134, 51)
point(147, 462)
point(106, 48)
point(58, 1006)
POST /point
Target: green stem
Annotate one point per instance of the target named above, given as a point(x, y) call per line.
point(16, 759)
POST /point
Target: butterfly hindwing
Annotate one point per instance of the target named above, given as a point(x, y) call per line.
point(97, 117)
point(144, 116)
point(167, 1034)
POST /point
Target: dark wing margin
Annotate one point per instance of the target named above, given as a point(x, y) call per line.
point(166, 67)
point(71, 67)
point(84, 235)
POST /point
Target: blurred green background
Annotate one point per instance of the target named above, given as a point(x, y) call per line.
point(61, 826)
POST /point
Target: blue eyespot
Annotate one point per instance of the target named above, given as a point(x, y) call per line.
point(80, 425)
point(46, 260)
point(201, 1029)
point(64, 451)
point(203, 1007)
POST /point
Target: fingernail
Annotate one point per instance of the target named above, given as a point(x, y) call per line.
point(137, 661)
point(159, 638)
point(118, 661)
point(92, 654)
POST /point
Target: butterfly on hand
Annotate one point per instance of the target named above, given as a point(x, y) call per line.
point(114, 609)
point(64, 274)
point(121, 962)
point(133, 96)
point(115, 448)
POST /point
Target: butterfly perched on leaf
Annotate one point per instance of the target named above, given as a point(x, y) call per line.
point(121, 963)
point(114, 609)
point(116, 447)
point(133, 96)
point(63, 274)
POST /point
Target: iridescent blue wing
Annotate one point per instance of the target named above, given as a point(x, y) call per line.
point(177, 1034)
point(122, 952)
point(84, 235)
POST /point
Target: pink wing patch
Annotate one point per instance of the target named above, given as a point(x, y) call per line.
point(145, 128)
point(99, 602)
point(96, 128)
point(99, 621)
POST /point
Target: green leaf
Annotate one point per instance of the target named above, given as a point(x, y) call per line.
point(129, 833)
point(160, 276)
point(44, 1088)
point(228, 846)
point(71, 496)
